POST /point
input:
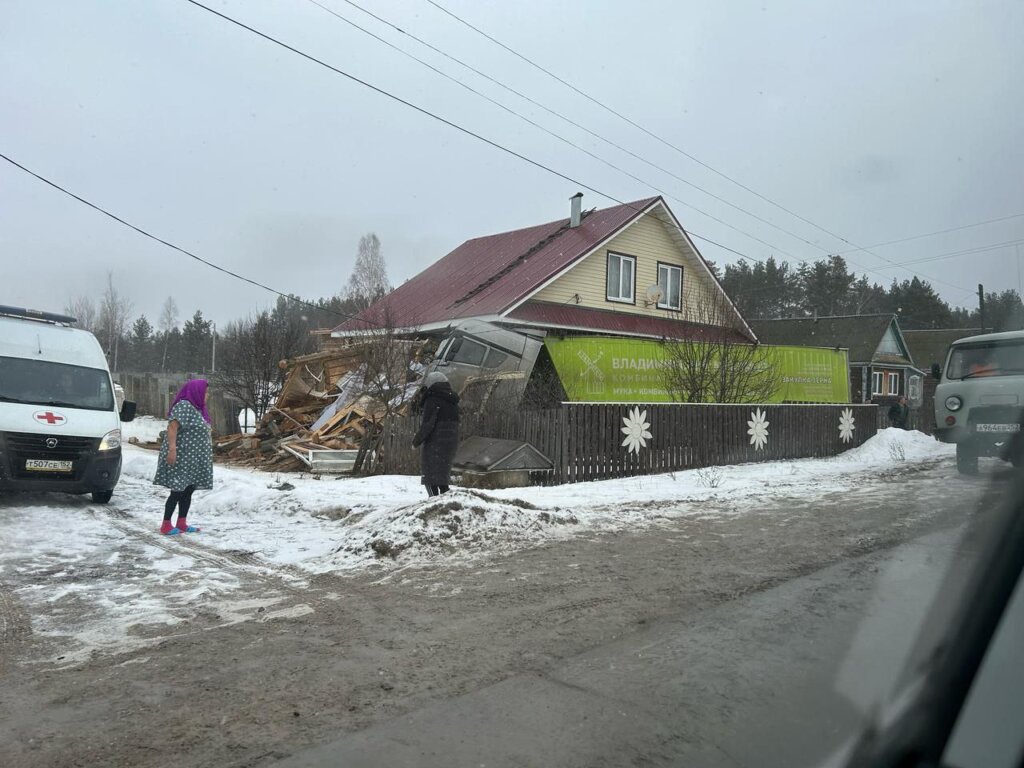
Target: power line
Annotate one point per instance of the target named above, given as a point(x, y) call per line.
point(171, 245)
point(442, 120)
point(561, 138)
point(965, 252)
point(454, 125)
point(631, 122)
point(938, 232)
point(563, 117)
point(664, 141)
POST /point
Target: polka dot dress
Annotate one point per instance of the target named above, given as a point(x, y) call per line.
point(194, 464)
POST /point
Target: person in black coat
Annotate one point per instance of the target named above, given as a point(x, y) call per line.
point(438, 435)
point(899, 413)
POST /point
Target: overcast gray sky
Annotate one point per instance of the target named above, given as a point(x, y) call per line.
point(874, 120)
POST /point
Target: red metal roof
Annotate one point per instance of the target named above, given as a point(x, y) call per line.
point(487, 275)
point(571, 317)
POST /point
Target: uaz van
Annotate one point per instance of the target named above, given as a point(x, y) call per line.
point(979, 398)
point(60, 428)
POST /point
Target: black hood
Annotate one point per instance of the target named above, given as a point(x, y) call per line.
point(444, 391)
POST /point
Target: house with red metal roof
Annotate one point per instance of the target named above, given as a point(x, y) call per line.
point(628, 270)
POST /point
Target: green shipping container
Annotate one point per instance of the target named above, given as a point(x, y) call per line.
point(608, 370)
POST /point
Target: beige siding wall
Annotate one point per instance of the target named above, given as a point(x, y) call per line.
point(649, 241)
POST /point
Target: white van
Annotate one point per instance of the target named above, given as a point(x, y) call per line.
point(60, 428)
point(980, 396)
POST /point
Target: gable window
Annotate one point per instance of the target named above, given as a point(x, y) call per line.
point(877, 383)
point(894, 383)
point(670, 281)
point(621, 274)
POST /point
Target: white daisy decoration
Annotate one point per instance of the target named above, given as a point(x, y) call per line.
point(846, 425)
point(758, 429)
point(636, 429)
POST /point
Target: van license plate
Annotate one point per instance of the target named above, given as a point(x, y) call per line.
point(997, 427)
point(45, 465)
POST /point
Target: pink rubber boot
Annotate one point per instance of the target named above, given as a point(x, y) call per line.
point(167, 529)
point(184, 527)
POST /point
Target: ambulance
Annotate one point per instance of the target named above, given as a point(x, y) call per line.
point(60, 425)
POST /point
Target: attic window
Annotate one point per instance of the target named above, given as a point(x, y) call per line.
point(621, 274)
point(670, 280)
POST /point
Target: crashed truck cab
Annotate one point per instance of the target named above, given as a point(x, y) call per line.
point(483, 361)
point(980, 396)
point(60, 424)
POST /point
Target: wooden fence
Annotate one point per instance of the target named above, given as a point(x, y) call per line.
point(153, 392)
point(588, 441)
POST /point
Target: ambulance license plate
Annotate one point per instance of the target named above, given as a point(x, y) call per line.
point(45, 465)
point(997, 427)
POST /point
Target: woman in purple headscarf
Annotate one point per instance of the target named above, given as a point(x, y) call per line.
point(186, 455)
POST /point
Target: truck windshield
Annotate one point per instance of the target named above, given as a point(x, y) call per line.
point(1005, 358)
point(39, 382)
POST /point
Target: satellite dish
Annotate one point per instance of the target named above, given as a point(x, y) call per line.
point(654, 294)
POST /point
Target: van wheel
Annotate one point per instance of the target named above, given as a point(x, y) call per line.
point(101, 497)
point(966, 459)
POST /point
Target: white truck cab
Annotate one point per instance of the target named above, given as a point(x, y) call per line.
point(60, 427)
point(979, 398)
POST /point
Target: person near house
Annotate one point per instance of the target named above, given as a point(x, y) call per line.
point(186, 454)
point(899, 413)
point(438, 435)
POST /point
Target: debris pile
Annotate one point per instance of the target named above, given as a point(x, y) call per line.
point(331, 406)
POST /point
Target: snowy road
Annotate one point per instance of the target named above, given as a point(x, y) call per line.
point(308, 605)
point(99, 579)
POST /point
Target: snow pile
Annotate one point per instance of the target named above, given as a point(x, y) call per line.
point(145, 429)
point(879, 450)
point(462, 521)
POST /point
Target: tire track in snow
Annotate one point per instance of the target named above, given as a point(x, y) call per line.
point(15, 625)
point(236, 562)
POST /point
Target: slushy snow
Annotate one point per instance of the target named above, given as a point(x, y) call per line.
point(331, 523)
point(99, 579)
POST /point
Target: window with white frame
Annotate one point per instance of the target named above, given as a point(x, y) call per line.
point(621, 277)
point(670, 281)
point(894, 383)
point(877, 383)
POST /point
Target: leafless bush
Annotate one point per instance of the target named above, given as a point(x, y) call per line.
point(710, 477)
point(248, 358)
point(714, 368)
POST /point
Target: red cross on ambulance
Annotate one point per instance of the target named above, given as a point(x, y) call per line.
point(47, 417)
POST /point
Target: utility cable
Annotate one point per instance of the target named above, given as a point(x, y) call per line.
point(561, 138)
point(938, 232)
point(439, 118)
point(653, 135)
point(174, 247)
point(562, 117)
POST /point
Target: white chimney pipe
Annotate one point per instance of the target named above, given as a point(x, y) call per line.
point(576, 202)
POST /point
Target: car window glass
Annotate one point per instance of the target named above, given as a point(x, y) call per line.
point(469, 352)
point(986, 360)
point(494, 358)
point(990, 729)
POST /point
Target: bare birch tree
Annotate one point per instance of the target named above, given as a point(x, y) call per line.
point(113, 319)
point(369, 279)
point(168, 322)
point(83, 309)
